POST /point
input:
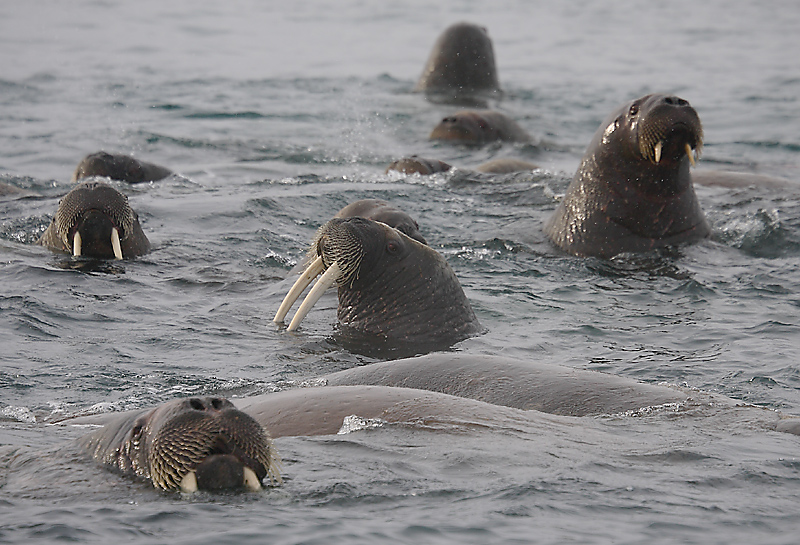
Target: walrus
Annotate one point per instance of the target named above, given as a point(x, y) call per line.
point(633, 191)
point(461, 67)
point(479, 127)
point(198, 443)
point(392, 290)
point(118, 167)
point(382, 211)
point(95, 220)
point(419, 165)
point(8, 191)
point(213, 444)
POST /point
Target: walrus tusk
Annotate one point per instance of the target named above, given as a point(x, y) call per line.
point(115, 243)
point(251, 481)
point(657, 150)
point(311, 272)
point(325, 281)
point(690, 153)
point(76, 244)
point(189, 483)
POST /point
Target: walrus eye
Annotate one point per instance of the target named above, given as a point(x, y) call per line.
point(392, 247)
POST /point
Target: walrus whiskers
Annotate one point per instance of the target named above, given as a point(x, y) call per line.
point(325, 281)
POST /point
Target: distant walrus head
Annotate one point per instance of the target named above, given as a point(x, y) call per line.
point(118, 167)
point(95, 220)
point(461, 66)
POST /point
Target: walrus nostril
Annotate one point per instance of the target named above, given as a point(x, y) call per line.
point(196, 404)
point(675, 101)
point(217, 403)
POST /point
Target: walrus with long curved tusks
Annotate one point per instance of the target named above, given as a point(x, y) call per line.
point(95, 220)
point(382, 211)
point(633, 191)
point(461, 67)
point(391, 288)
point(118, 167)
point(479, 127)
point(198, 443)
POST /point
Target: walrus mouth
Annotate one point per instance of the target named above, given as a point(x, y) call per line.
point(338, 254)
point(671, 131)
point(195, 451)
point(98, 202)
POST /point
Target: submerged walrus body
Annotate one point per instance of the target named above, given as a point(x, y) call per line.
point(118, 167)
point(382, 211)
point(633, 191)
point(95, 220)
point(210, 444)
point(392, 289)
point(422, 166)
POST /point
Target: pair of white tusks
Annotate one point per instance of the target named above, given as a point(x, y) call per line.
point(250, 481)
point(325, 281)
point(660, 144)
point(76, 244)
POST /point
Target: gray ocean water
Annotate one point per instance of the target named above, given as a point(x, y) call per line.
point(276, 115)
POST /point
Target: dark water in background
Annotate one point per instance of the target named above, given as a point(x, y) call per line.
point(276, 116)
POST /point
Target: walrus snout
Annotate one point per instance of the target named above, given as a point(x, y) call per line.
point(206, 443)
point(668, 129)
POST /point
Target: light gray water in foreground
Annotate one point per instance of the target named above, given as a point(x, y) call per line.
point(277, 115)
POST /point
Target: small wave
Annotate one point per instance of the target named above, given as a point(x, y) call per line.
point(356, 423)
point(18, 414)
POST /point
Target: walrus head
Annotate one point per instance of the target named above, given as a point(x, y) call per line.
point(478, 127)
point(661, 130)
point(118, 167)
point(390, 286)
point(95, 220)
point(417, 165)
point(461, 64)
point(189, 444)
